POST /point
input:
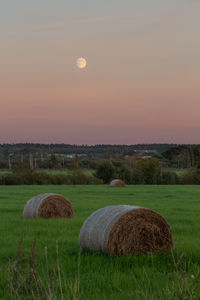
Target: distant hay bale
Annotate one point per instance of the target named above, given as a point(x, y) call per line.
point(117, 183)
point(126, 229)
point(48, 206)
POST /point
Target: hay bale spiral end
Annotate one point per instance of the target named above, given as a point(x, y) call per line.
point(126, 229)
point(47, 206)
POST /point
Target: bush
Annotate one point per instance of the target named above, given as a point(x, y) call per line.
point(22, 174)
point(3, 164)
point(41, 178)
point(169, 177)
point(8, 179)
point(105, 171)
point(58, 179)
point(191, 177)
point(78, 177)
point(137, 177)
point(95, 180)
point(124, 173)
point(151, 170)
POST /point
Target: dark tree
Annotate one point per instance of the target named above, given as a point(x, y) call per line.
point(151, 170)
point(105, 171)
point(53, 162)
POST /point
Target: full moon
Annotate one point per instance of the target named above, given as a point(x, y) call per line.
point(81, 63)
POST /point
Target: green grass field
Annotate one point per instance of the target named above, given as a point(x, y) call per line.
point(102, 276)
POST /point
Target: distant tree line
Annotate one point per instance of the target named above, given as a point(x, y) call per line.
point(181, 157)
point(145, 171)
point(27, 164)
point(21, 151)
point(41, 156)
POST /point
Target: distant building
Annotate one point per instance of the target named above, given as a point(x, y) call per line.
point(73, 155)
point(147, 152)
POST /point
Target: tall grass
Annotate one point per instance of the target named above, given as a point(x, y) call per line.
point(29, 280)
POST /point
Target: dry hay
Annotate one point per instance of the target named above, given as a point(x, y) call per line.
point(48, 206)
point(117, 183)
point(125, 229)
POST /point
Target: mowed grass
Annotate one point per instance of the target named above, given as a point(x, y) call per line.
point(103, 276)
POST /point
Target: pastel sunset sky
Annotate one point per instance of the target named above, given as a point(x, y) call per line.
point(141, 83)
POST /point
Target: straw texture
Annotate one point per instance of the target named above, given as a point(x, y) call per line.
point(117, 183)
point(126, 229)
point(48, 205)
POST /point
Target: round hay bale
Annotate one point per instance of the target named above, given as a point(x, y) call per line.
point(117, 183)
point(126, 229)
point(48, 206)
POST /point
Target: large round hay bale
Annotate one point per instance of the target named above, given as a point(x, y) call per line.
point(126, 229)
point(117, 183)
point(48, 206)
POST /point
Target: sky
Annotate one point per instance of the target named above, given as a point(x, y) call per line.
point(141, 83)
